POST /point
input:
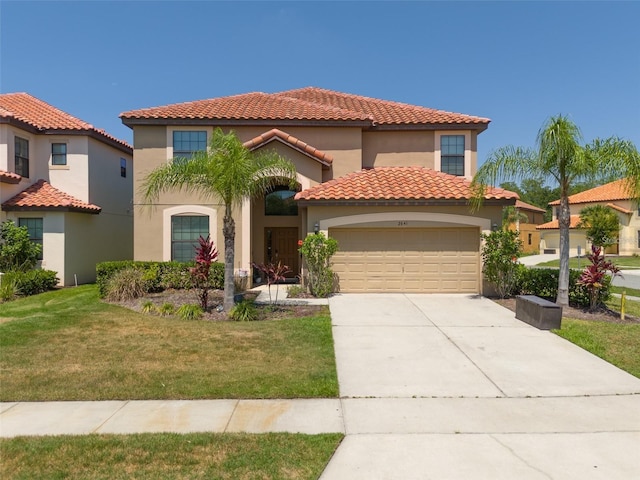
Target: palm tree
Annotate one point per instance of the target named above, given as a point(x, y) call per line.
point(562, 158)
point(511, 215)
point(226, 171)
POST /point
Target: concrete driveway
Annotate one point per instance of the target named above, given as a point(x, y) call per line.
point(453, 386)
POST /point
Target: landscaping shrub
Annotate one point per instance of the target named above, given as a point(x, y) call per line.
point(158, 275)
point(32, 282)
point(317, 251)
point(17, 251)
point(500, 254)
point(244, 311)
point(8, 288)
point(189, 311)
point(126, 284)
point(543, 282)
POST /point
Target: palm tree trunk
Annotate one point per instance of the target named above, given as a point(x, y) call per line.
point(564, 221)
point(229, 233)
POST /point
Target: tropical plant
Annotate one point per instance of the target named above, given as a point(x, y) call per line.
point(244, 311)
point(190, 311)
point(206, 254)
point(317, 251)
point(601, 225)
point(17, 251)
point(166, 309)
point(274, 273)
point(226, 171)
point(561, 156)
point(148, 307)
point(594, 275)
point(9, 289)
point(512, 215)
point(500, 254)
point(126, 284)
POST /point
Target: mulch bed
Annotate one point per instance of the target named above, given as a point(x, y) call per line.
point(601, 315)
point(183, 297)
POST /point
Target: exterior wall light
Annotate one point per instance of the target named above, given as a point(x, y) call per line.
point(316, 228)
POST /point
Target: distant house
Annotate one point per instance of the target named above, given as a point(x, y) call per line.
point(612, 195)
point(69, 183)
point(390, 181)
point(529, 234)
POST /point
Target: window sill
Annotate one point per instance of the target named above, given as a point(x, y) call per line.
point(58, 167)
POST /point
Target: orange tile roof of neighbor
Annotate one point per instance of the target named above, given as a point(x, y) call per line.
point(527, 206)
point(44, 118)
point(554, 224)
point(307, 104)
point(398, 184)
point(293, 142)
point(617, 190)
point(9, 177)
point(42, 196)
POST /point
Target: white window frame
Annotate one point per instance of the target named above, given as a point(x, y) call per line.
point(167, 213)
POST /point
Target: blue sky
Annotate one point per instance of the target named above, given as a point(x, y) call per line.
point(514, 62)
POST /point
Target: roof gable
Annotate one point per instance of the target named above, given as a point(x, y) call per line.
point(278, 135)
point(43, 196)
point(399, 184)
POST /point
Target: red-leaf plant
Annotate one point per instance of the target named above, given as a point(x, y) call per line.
point(593, 276)
point(274, 273)
point(206, 254)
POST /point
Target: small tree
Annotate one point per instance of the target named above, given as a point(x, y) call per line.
point(17, 251)
point(500, 254)
point(594, 276)
point(206, 254)
point(601, 224)
point(317, 251)
point(274, 273)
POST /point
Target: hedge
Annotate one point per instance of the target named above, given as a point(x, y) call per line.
point(32, 282)
point(158, 275)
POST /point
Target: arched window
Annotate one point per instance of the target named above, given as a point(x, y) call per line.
point(280, 201)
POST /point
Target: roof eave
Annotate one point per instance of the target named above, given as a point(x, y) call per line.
point(68, 209)
point(402, 202)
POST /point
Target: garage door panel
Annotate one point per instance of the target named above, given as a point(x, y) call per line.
point(407, 260)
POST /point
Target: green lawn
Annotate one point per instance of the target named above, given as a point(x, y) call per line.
point(616, 343)
point(574, 262)
point(632, 292)
point(68, 345)
point(168, 456)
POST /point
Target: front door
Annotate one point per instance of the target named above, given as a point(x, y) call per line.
point(281, 245)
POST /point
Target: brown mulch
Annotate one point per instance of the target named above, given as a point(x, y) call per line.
point(182, 297)
point(601, 315)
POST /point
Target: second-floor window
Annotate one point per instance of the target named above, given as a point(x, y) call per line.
point(186, 143)
point(58, 154)
point(452, 154)
point(22, 157)
point(123, 167)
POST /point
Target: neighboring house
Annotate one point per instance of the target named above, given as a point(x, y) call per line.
point(528, 232)
point(69, 183)
point(390, 181)
point(612, 195)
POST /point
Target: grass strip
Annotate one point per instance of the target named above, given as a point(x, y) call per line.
point(168, 456)
point(68, 345)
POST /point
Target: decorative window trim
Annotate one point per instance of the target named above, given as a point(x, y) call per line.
point(60, 156)
point(437, 154)
point(170, 134)
point(167, 213)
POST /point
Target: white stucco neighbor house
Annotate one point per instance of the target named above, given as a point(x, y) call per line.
point(69, 183)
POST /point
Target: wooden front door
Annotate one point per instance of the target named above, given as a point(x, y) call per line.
point(281, 245)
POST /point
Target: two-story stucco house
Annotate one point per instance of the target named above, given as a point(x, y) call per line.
point(69, 183)
point(390, 181)
point(613, 195)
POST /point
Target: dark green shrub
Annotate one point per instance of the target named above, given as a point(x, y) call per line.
point(543, 282)
point(244, 311)
point(126, 284)
point(317, 251)
point(17, 251)
point(176, 275)
point(33, 282)
point(500, 254)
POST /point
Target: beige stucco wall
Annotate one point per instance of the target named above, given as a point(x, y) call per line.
point(550, 239)
point(398, 148)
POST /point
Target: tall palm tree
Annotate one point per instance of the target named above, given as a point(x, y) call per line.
point(560, 157)
point(227, 171)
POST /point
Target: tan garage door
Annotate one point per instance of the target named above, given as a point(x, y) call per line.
point(430, 260)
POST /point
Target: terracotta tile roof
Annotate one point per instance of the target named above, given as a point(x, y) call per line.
point(382, 111)
point(9, 177)
point(619, 208)
point(527, 206)
point(554, 225)
point(42, 196)
point(306, 104)
point(290, 140)
point(398, 183)
point(43, 117)
point(617, 190)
